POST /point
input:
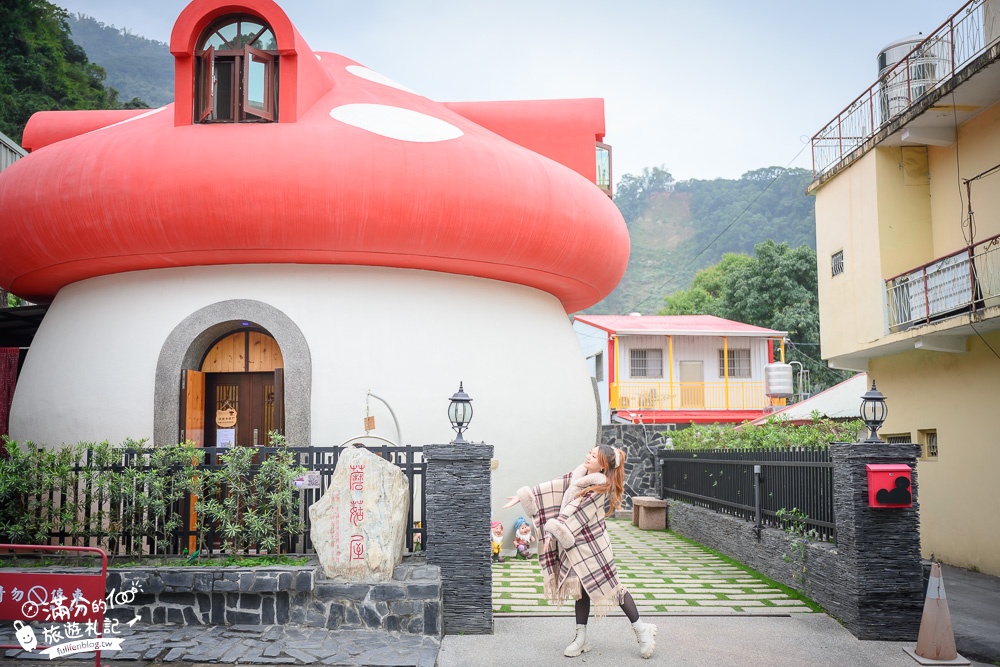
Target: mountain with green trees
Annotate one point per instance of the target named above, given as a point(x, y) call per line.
point(740, 249)
point(43, 69)
point(679, 228)
point(137, 67)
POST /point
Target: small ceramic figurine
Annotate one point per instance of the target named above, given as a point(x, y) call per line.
point(496, 540)
point(523, 537)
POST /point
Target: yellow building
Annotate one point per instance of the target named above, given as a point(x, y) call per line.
point(907, 186)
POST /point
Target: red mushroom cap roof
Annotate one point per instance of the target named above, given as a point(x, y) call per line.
point(369, 174)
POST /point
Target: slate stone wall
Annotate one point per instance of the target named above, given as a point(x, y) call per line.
point(640, 443)
point(411, 602)
point(883, 544)
point(872, 580)
point(457, 499)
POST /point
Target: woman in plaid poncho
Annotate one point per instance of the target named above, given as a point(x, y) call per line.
point(576, 557)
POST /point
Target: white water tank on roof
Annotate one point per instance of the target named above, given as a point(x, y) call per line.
point(907, 83)
point(778, 381)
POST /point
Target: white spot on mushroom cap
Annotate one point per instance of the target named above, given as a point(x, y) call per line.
point(396, 122)
point(372, 75)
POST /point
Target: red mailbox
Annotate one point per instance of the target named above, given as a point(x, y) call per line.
point(889, 485)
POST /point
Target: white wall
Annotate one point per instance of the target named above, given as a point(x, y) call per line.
point(695, 348)
point(594, 344)
point(409, 336)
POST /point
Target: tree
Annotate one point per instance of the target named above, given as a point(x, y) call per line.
point(706, 294)
point(42, 69)
point(776, 288)
point(633, 192)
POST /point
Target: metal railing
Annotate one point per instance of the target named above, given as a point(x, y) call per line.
point(724, 481)
point(961, 282)
point(966, 34)
point(734, 395)
point(112, 525)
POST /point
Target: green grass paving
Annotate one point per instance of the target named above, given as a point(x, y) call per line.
point(665, 572)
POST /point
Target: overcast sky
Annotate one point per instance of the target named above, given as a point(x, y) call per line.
point(708, 89)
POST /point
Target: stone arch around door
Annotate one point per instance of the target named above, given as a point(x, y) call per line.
point(187, 344)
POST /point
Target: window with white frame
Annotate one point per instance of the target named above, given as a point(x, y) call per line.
point(646, 363)
point(739, 363)
point(837, 263)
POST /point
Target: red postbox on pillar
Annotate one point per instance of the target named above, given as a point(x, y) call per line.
point(889, 485)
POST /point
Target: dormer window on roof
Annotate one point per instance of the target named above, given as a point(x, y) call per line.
point(237, 72)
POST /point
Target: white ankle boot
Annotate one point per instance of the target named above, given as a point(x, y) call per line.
point(579, 645)
point(645, 633)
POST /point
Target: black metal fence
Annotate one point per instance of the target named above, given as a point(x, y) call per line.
point(798, 481)
point(79, 513)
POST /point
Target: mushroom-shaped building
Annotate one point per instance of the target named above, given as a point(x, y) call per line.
point(295, 230)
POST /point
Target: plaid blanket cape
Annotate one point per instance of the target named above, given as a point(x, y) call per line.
point(580, 554)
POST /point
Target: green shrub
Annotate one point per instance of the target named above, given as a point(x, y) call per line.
point(776, 433)
point(126, 498)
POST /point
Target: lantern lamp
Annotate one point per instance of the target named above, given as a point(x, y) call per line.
point(873, 412)
point(460, 413)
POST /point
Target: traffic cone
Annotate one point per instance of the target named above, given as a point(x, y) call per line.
point(936, 638)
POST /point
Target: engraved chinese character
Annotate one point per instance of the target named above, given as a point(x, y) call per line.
point(357, 512)
point(17, 594)
point(357, 480)
point(357, 547)
point(2, 591)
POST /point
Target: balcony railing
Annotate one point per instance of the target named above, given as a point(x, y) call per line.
point(736, 395)
point(962, 282)
point(965, 35)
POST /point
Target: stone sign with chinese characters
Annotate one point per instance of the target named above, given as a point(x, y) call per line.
point(358, 525)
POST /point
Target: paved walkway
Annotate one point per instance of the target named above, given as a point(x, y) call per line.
point(253, 645)
point(664, 573)
point(709, 614)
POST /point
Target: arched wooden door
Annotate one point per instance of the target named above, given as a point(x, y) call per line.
point(242, 372)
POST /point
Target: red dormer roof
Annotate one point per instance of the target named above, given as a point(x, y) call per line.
point(358, 170)
point(677, 325)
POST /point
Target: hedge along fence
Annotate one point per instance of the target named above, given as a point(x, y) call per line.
point(135, 500)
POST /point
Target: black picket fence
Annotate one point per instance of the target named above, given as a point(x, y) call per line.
point(93, 514)
point(798, 481)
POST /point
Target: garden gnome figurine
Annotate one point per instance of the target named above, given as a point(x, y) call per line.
point(496, 540)
point(523, 537)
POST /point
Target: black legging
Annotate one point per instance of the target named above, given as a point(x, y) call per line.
point(583, 608)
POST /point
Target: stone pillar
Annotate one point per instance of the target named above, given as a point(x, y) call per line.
point(457, 499)
point(880, 547)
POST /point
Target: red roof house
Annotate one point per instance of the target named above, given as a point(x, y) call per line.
point(677, 369)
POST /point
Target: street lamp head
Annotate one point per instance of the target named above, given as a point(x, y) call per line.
point(873, 412)
point(460, 413)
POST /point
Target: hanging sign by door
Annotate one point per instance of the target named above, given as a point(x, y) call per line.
point(226, 417)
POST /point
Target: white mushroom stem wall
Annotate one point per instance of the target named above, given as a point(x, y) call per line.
point(409, 336)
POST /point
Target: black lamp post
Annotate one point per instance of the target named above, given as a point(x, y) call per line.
point(460, 413)
point(873, 412)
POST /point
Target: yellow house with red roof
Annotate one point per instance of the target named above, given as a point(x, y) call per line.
point(677, 369)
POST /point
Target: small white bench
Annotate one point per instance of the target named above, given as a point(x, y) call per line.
point(649, 513)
